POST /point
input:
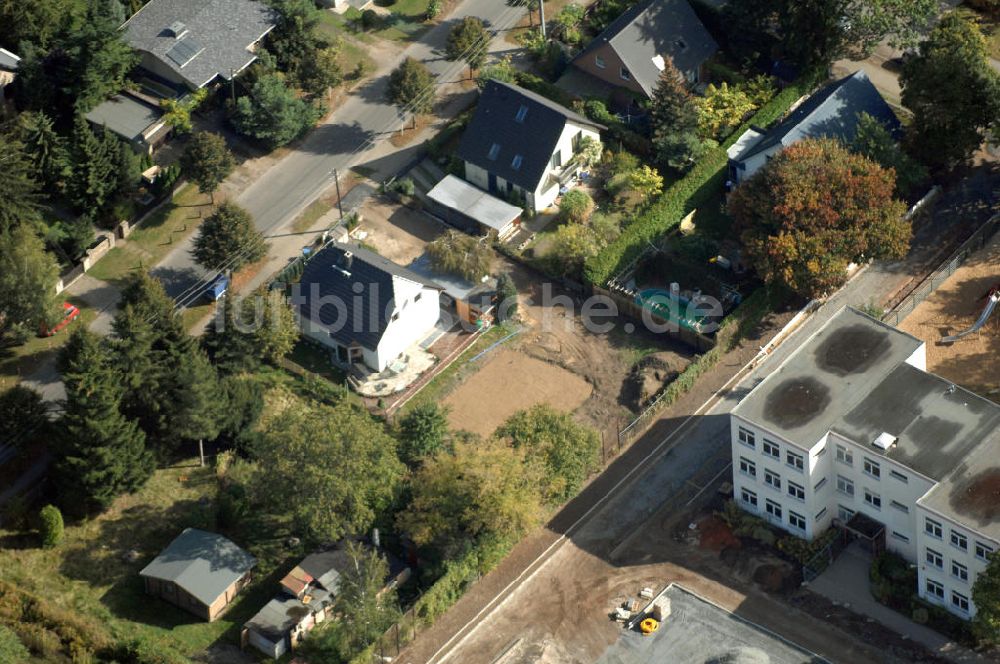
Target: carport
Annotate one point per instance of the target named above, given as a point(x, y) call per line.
point(471, 209)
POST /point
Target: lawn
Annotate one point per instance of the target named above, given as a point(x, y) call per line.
point(308, 218)
point(88, 573)
point(404, 23)
point(19, 360)
point(156, 237)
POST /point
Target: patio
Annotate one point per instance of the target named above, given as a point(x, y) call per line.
point(399, 375)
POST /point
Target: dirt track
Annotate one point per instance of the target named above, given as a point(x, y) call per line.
point(973, 362)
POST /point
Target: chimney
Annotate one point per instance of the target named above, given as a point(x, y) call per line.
point(376, 540)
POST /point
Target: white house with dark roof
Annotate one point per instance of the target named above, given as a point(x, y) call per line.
point(363, 307)
point(829, 113)
point(852, 431)
point(191, 43)
point(630, 53)
point(520, 143)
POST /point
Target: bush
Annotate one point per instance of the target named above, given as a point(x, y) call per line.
point(369, 19)
point(700, 187)
point(403, 186)
point(575, 206)
point(985, 6)
point(50, 526)
point(433, 9)
point(540, 86)
point(597, 111)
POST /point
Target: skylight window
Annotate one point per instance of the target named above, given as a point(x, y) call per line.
point(494, 152)
point(521, 113)
point(516, 163)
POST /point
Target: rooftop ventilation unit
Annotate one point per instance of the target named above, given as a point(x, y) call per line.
point(884, 441)
point(177, 30)
point(659, 62)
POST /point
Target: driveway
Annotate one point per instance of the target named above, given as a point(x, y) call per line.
point(354, 134)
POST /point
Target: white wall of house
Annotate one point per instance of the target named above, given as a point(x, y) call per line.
point(946, 571)
point(545, 193)
point(841, 477)
point(417, 310)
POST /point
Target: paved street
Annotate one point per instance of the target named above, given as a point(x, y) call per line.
point(356, 133)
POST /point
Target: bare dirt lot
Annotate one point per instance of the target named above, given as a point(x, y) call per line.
point(974, 361)
point(399, 233)
point(510, 381)
point(558, 335)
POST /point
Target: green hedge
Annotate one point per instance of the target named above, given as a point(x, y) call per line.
point(458, 576)
point(696, 189)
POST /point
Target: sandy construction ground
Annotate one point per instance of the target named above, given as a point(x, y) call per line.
point(510, 381)
point(973, 362)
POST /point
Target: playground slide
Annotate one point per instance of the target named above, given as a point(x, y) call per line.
point(987, 312)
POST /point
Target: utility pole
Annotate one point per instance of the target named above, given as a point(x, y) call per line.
point(232, 84)
point(541, 15)
point(201, 451)
point(340, 206)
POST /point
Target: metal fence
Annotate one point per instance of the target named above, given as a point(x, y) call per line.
point(974, 243)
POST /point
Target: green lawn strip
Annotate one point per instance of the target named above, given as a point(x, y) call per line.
point(442, 384)
point(699, 189)
point(308, 218)
point(155, 237)
point(20, 360)
point(89, 573)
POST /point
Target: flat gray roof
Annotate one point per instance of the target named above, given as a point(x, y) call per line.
point(699, 632)
point(8, 60)
point(852, 378)
point(126, 116)
point(277, 617)
point(826, 376)
point(203, 564)
point(457, 194)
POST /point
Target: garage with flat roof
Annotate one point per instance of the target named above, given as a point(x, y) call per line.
point(472, 209)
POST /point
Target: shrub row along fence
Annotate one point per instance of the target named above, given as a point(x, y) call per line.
point(734, 329)
point(976, 241)
point(459, 575)
point(700, 187)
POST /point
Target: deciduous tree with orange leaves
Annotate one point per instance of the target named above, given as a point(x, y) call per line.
point(814, 209)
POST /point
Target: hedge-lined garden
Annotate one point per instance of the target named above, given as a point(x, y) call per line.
point(695, 190)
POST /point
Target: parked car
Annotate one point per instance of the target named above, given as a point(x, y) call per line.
point(217, 288)
point(69, 313)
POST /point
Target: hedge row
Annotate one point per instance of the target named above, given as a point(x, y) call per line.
point(698, 188)
point(458, 576)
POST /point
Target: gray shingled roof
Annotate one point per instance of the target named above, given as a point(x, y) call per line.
point(533, 139)
point(656, 28)
point(126, 116)
point(200, 39)
point(203, 564)
point(363, 283)
point(831, 112)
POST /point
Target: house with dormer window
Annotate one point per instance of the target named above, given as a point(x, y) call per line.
point(632, 51)
point(190, 44)
point(520, 145)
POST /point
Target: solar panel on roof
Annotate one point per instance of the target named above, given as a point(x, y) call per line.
point(184, 51)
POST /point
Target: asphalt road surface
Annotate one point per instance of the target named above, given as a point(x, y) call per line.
point(356, 133)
